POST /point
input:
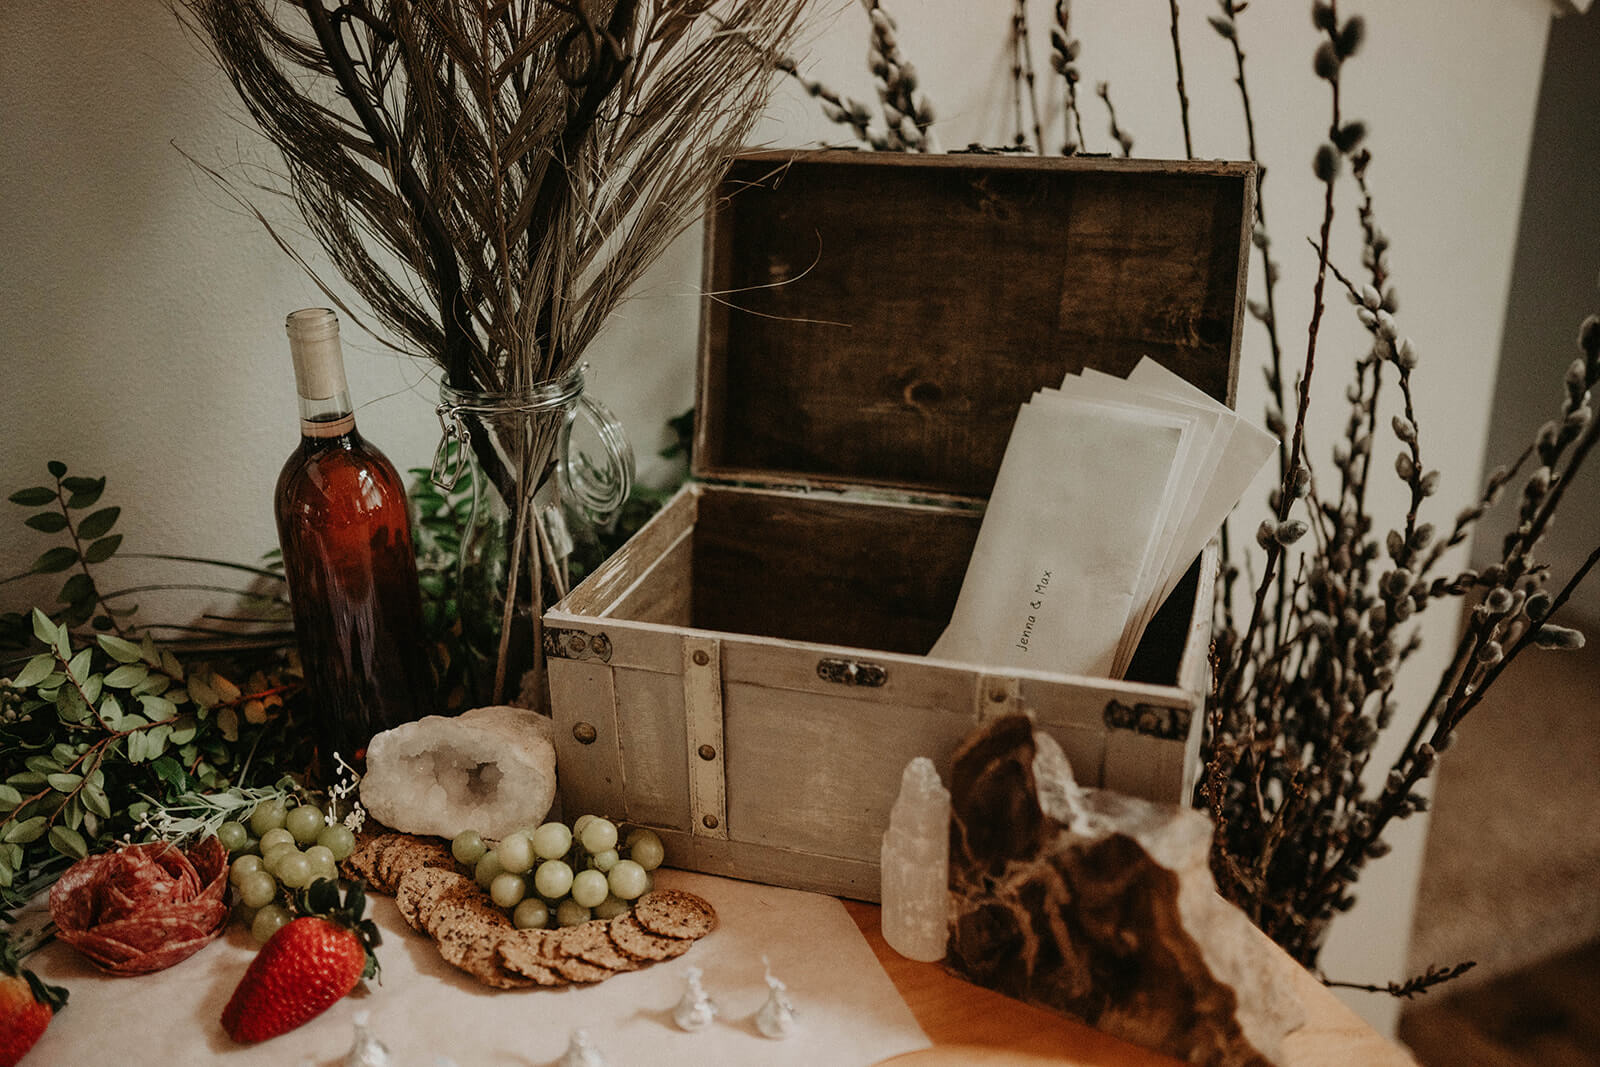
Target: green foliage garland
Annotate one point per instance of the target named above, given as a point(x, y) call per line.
point(99, 726)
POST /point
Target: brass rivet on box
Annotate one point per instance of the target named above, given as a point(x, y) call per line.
point(710, 822)
point(585, 733)
point(701, 659)
point(707, 752)
point(997, 695)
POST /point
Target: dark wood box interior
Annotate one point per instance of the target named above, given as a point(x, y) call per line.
point(841, 572)
point(876, 319)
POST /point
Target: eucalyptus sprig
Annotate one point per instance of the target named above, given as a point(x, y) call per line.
point(84, 540)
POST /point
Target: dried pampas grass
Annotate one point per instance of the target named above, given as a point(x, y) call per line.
point(492, 177)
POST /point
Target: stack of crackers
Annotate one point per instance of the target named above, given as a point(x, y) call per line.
point(473, 934)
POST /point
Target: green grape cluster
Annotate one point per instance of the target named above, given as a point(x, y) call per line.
point(562, 875)
point(279, 850)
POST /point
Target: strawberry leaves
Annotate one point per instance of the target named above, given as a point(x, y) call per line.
point(321, 899)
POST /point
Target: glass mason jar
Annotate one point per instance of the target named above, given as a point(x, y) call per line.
point(517, 451)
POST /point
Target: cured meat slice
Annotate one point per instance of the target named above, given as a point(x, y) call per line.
point(144, 907)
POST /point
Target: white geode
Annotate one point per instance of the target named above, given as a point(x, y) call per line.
point(915, 865)
point(491, 769)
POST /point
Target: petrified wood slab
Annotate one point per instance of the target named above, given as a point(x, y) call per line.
point(1100, 906)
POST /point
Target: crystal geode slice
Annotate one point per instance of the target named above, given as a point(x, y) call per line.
point(489, 769)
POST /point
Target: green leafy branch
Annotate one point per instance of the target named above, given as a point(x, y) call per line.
point(190, 815)
point(261, 623)
point(91, 542)
point(102, 730)
point(128, 720)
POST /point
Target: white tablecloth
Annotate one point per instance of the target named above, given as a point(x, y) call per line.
point(849, 1013)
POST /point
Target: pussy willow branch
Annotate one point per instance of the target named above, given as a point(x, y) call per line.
point(1023, 82)
point(1122, 137)
point(1183, 93)
point(1411, 769)
point(1412, 987)
point(1232, 689)
point(1378, 276)
point(1227, 26)
point(838, 108)
point(1457, 695)
point(1470, 700)
point(1064, 56)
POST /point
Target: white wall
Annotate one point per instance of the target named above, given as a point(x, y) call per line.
point(142, 327)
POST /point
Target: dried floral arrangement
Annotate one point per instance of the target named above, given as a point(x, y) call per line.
point(1305, 661)
point(492, 178)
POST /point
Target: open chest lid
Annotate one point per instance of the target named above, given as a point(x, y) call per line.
point(876, 319)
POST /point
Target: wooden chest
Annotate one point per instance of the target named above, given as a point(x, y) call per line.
point(747, 674)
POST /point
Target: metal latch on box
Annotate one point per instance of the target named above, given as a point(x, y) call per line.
point(852, 672)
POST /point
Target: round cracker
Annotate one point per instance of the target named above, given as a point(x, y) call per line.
point(477, 955)
point(472, 913)
point(523, 952)
point(593, 945)
point(634, 940)
point(562, 946)
point(431, 911)
point(675, 913)
point(419, 891)
point(404, 855)
point(383, 880)
point(363, 862)
point(417, 853)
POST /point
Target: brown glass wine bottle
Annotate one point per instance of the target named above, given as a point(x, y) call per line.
point(345, 531)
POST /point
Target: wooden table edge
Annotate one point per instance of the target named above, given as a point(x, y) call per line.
point(972, 1025)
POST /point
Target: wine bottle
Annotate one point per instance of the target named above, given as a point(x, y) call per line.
point(345, 531)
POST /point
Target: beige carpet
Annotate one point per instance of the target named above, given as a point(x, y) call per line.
point(1512, 869)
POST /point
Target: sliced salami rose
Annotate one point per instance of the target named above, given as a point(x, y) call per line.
point(144, 907)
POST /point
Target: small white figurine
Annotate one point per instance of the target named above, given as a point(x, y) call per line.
point(366, 1051)
point(776, 1017)
point(696, 1010)
point(580, 1053)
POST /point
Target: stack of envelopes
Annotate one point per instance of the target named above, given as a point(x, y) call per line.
point(1108, 491)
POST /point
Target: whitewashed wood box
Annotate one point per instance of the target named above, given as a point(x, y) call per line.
point(747, 674)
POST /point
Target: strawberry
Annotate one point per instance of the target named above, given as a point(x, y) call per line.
point(26, 1005)
point(306, 967)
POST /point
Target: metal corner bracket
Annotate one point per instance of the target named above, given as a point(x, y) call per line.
point(563, 643)
point(1152, 720)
